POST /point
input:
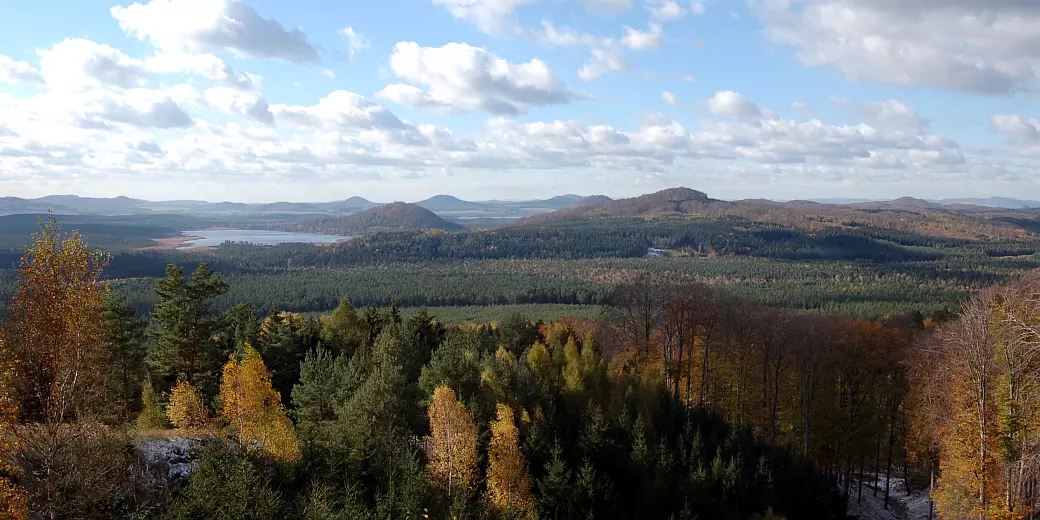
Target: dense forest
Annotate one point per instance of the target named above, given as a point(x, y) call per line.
point(862, 271)
point(680, 399)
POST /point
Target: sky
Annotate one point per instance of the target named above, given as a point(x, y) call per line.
point(269, 100)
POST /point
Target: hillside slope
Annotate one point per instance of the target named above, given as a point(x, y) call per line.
point(398, 216)
point(905, 214)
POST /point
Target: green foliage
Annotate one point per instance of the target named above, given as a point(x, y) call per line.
point(184, 325)
point(125, 350)
point(227, 484)
point(153, 415)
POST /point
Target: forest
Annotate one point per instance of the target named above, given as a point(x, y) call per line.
point(681, 399)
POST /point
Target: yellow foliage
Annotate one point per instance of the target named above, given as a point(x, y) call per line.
point(509, 485)
point(452, 444)
point(187, 410)
point(254, 409)
point(14, 504)
point(53, 326)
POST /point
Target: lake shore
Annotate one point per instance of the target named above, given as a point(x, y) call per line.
point(169, 243)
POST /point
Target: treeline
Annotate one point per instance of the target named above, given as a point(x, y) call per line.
point(383, 417)
point(976, 405)
point(831, 389)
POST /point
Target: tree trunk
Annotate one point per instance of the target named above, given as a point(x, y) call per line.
point(877, 465)
point(888, 470)
point(859, 492)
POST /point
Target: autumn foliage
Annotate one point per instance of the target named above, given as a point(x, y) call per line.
point(187, 410)
point(453, 444)
point(254, 410)
point(508, 484)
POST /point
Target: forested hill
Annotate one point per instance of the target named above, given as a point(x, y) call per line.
point(905, 214)
point(399, 216)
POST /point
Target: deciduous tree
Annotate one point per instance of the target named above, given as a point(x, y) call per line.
point(509, 485)
point(453, 443)
point(254, 409)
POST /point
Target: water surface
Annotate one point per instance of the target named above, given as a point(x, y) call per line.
point(215, 237)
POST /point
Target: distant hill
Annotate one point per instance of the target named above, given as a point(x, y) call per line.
point(592, 200)
point(993, 202)
point(398, 216)
point(905, 203)
point(448, 203)
point(906, 214)
point(674, 200)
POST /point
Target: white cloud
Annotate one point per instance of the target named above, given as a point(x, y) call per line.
point(729, 103)
point(12, 71)
point(665, 10)
point(979, 46)
point(206, 65)
point(247, 104)
point(641, 40)
point(76, 64)
point(462, 78)
point(490, 16)
point(801, 107)
point(1022, 131)
point(340, 109)
point(602, 60)
point(564, 36)
point(697, 7)
point(688, 78)
point(895, 115)
point(355, 42)
point(669, 98)
point(228, 25)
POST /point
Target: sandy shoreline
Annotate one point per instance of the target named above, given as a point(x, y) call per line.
point(170, 242)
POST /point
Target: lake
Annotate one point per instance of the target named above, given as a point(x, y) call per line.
point(215, 237)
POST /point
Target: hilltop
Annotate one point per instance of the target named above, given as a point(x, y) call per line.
point(399, 216)
point(904, 214)
point(448, 203)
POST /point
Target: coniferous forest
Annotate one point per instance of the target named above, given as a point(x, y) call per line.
point(679, 399)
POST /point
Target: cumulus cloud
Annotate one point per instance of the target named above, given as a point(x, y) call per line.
point(602, 60)
point(227, 25)
point(247, 104)
point(895, 115)
point(355, 42)
point(340, 109)
point(490, 16)
point(641, 40)
point(206, 65)
point(665, 10)
point(76, 64)
point(910, 43)
point(12, 71)
point(669, 98)
point(729, 103)
point(564, 36)
point(1022, 131)
point(462, 78)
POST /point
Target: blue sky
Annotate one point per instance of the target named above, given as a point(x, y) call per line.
point(401, 99)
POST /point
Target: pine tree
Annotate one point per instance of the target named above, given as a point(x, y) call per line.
point(453, 443)
point(185, 323)
point(254, 409)
point(556, 497)
point(125, 348)
point(509, 485)
point(186, 410)
point(152, 416)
